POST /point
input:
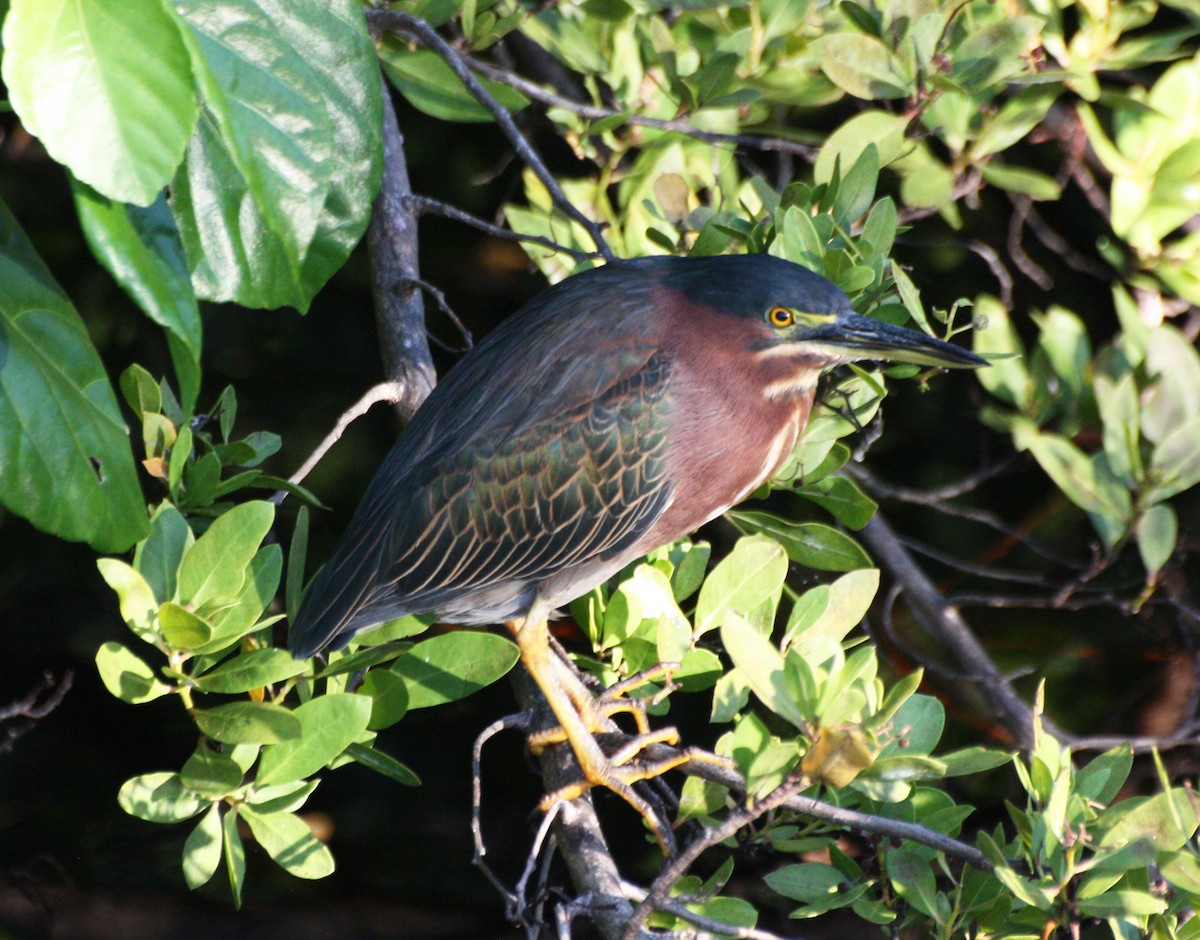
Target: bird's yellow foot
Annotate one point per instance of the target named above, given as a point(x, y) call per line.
point(582, 715)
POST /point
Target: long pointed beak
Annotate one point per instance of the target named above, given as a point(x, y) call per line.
point(853, 336)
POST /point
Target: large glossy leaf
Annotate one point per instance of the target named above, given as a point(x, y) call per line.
point(431, 86)
point(65, 459)
point(159, 797)
point(141, 249)
point(279, 177)
point(106, 86)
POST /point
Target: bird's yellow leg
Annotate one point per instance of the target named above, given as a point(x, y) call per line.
point(533, 641)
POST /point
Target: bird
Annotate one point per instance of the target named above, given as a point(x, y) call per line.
point(615, 412)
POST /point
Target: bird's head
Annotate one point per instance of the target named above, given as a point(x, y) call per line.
point(791, 312)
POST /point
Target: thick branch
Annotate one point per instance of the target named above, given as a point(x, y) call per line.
point(584, 849)
point(399, 307)
point(943, 621)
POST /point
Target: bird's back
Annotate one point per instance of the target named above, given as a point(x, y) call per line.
point(486, 491)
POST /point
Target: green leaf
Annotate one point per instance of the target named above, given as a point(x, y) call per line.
point(812, 544)
point(389, 698)
point(160, 798)
point(141, 249)
point(762, 665)
point(1007, 377)
point(106, 87)
point(1122, 904)
point(843, 498)
point(290, 843)
point(1083, 480)
point(810, 882)
point(429, 84)
point(249, 723)
point(128, 677)
point(280, 175)
point(210, 773)
point(215, 567)
point(181, 628)
point(689, 570)
point(1175, 462)
point(1157, 818)
point(973, 760)
point(235, 855)
point(919, 722)
point(157, 557)
point(328, 725)
point(282, 797)
point(1157, 533)
point(233, 619)
point(66, 463)
point(861, 65)
point(748, 576)
point(202, 850)
point(913, 880)
point(383, 764)
point(1104, 776)
point(454, 665)
point(1019, 179)
point(850, 597)
point(138, 606)
point(251, 670)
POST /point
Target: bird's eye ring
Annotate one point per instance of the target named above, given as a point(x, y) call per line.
point(781, 317)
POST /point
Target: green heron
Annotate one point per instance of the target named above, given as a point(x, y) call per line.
point(617, 411)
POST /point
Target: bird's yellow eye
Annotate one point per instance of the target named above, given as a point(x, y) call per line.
point(781, 317)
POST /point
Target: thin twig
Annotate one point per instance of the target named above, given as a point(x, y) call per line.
point(424, 204)
point(440, 299)
point(678, 866)
point(520, 721)
point(593, 112)
point(939, 497)
point(36, 705)
point(421, 32)
point(391, 392)
point(676, 909)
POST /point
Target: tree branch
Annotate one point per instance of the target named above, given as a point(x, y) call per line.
point(422, 33)
point(943, 621)
point(395, 274)
point(577, 828)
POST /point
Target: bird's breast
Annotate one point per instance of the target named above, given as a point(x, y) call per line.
point(732, 423)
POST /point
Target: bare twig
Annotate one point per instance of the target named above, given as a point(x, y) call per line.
point(423, 204)
point(593, 112)
point(392, 392)
point(392, 247)
point(421, 32)
point(676, 909)
point(440, 299)
point(678, 866)
point(939, 497)
point(37, 704)
point(837, 815)
point(520, 722)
